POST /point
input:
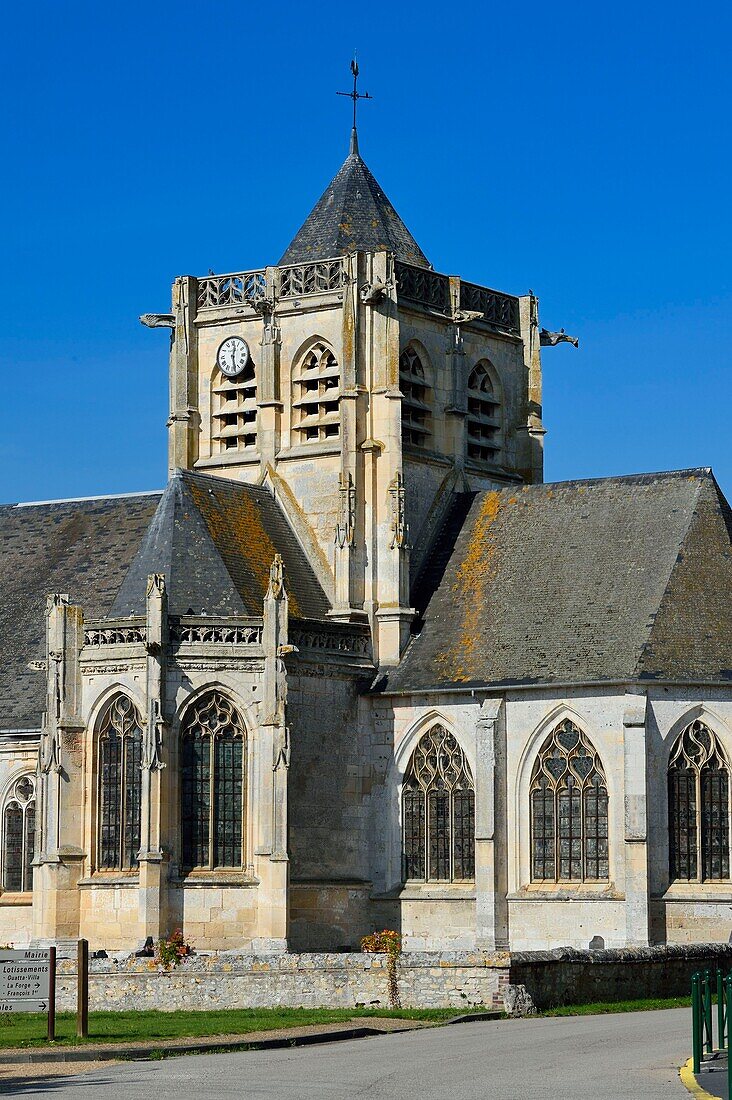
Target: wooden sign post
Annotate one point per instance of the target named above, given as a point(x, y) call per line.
point(82, 990)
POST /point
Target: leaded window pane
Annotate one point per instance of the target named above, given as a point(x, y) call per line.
point(463, 831)
point(543, 832)
point(569, 810)
point(438, 811)
point(596, 831)
point(212, 785)
point(13, 850)
point(132, 798)
point(120, 785)
point(228, 801)
point(438, 831)
point(715, 824)
point(196, 799)
point(30, 831)
point(111, 800)
point(414, 834)
point(698, 806)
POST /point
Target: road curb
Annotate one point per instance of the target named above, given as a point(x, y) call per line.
point(689, 1081)
point(140, 1052)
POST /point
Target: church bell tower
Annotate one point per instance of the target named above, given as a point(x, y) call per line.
point(367, 391)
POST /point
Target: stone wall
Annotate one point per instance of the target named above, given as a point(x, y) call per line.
point(228, 980)
point(566, 976)
point(453, 979)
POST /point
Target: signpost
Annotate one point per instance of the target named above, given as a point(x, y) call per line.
point(28, 983)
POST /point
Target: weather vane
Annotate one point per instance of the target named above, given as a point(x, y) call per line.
point(355, 95)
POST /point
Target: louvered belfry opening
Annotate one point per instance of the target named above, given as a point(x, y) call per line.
point(316, 395)
point(484, 411)
point(234, 411)
point(416, 402)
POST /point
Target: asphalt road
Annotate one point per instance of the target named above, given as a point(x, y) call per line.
point(594, 1057)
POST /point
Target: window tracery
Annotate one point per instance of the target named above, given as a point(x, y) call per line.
point(698, 807)
point(569, 810)
point(119, 741)
point(416, 403)
point(316, 394)
point(212, 785)
point(438, 811)
point(234, 411)
point(19, 823)
point(484, 415)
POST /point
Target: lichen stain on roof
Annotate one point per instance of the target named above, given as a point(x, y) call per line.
point(236, 527)
point(472, 589)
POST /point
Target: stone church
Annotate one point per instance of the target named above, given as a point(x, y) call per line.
point(357, 665)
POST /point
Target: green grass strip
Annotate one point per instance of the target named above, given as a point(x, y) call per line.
point(29, 1030)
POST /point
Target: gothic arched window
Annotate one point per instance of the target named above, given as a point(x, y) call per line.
point(119, 740)
point(698, 807)
point(438, 811)
point(212, 785)
point(569, 810)
point(416, 403)
point(484, 412)
point(19, 823)
point(315, 396)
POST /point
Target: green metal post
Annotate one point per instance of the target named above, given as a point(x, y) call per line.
point(727, 1005)
point(720, 1011)
point(696, 1021)
point(707, 998)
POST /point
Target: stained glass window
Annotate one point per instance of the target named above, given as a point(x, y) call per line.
point(119, 739)
point(438, 811)
point(698, 807)
point(212, 785)
point(19, 821)
point(569, 810)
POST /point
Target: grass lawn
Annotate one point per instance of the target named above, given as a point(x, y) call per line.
point(29, 1030)
point(600, 1007)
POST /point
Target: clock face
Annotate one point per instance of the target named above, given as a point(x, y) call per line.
point(233, 356)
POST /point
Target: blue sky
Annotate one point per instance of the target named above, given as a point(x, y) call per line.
point(579, 150)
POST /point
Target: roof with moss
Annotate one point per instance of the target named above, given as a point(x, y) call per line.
point(616, 579)
point(213, 539)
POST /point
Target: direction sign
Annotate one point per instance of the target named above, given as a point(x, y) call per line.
point(23, 1006)
point(24, 981)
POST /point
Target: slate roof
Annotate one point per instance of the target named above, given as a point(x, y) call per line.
point(82, 547)
point(353, 213)
point(625, 578)
point(214, 539)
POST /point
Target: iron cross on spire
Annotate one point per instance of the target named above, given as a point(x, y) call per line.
point(355, 95)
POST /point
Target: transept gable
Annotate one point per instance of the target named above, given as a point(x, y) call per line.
point(217, 538)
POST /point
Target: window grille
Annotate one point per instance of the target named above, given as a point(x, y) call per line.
point(698, 807)
point(19, 823)
point(569, 810)
point(315, 398)
point(484, 423)
point(234, 416)
point(438, 811)
point(212, 786)
point(416, 406)
point(120, 785)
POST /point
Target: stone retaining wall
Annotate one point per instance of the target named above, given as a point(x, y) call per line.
point(228, 980)
point(426, 979)
point(567, 976)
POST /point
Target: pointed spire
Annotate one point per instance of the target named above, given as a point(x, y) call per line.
point(355, 95)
